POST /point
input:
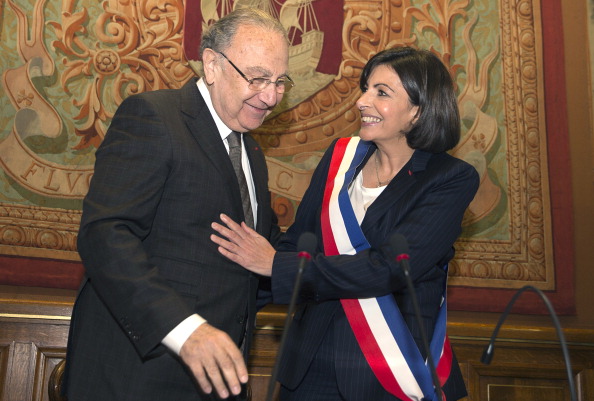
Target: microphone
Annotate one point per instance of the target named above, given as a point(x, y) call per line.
point(306, 245)
point(400, 246)
point(488, 352)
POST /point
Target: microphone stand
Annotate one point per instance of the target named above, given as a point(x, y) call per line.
point(488, 352)
point(417, 309)
point(307, 242)
point(400, 245)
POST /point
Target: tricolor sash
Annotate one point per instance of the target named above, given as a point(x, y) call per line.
point(377, 323)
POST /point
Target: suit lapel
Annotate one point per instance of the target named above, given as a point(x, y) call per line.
point(204, 130)
point(395, 189)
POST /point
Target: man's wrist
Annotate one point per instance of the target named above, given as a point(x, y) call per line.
point(178, 336)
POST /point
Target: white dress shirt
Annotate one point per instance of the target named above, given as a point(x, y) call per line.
point(178, 336)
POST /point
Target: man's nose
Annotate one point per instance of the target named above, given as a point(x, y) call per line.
point(270, 96)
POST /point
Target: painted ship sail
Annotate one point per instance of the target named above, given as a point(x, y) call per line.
point(212, 11)
point(265, 5)
point(298, 17)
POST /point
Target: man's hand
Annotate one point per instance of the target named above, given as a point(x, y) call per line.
point(215, 361)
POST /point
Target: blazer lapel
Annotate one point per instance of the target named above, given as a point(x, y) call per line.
point(395, 189)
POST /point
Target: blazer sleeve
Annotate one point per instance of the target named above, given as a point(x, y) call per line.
point(132, 167)
point(429, 214)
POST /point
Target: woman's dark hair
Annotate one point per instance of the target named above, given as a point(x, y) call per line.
point(429, 86)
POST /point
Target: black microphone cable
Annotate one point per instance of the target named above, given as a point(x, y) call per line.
point(488, 352)
point(400, 246)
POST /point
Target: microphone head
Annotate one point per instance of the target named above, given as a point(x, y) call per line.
point(487, 354)
point(307, 243)
point(399, 244)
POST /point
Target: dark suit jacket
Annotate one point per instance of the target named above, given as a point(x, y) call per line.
point(425, 202)
point(162, 176)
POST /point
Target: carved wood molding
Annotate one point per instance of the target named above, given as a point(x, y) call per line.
point(39, 231)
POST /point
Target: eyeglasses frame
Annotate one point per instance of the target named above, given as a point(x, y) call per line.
point(288, 79)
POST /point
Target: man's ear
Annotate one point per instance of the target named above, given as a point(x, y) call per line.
point(209, 63)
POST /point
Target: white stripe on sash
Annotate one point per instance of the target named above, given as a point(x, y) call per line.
point(343, 241)
point(390, 348)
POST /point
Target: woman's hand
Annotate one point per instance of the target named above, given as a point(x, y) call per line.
point(244, 246)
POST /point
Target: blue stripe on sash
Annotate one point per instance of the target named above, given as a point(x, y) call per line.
point(405, 341)
point(358, 240)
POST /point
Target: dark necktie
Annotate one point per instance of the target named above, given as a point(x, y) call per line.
point(234, 140)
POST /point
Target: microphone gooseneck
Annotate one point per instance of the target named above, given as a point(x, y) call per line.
point(488, 352)
point(399, 246)
point(306, 245)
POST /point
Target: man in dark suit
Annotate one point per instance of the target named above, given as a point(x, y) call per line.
point(161, 315)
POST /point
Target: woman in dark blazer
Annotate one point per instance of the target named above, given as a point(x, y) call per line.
point(355, 335)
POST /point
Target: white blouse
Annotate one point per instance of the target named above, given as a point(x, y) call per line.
point(362, 197)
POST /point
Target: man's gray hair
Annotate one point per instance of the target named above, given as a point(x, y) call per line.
point(219, 35)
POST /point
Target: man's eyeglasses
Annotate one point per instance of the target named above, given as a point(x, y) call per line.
point(283, 84)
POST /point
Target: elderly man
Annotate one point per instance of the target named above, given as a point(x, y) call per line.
point(161, 315)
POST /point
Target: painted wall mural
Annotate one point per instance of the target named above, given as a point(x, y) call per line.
point(68, 64)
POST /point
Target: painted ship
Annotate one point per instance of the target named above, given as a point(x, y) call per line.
point(299, 19)
point(297, 16)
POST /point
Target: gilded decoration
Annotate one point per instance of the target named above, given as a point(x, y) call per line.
point(69, 64)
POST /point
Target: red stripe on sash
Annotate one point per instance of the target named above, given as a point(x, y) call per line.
point(327, 235)
point(370, 348)
point(444, 366)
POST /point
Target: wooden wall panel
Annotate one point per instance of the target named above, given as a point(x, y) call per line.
point(4, 350)
point(29, 359)
point(47, 360)
point(527, 365)
point(33, 336)
point(518, 389)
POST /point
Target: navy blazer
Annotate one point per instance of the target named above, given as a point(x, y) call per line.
point(425, 202)
point(162, 176)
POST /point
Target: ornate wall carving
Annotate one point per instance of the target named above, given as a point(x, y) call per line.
point(70, 64)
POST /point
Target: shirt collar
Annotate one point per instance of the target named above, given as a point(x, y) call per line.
point(224, 131)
